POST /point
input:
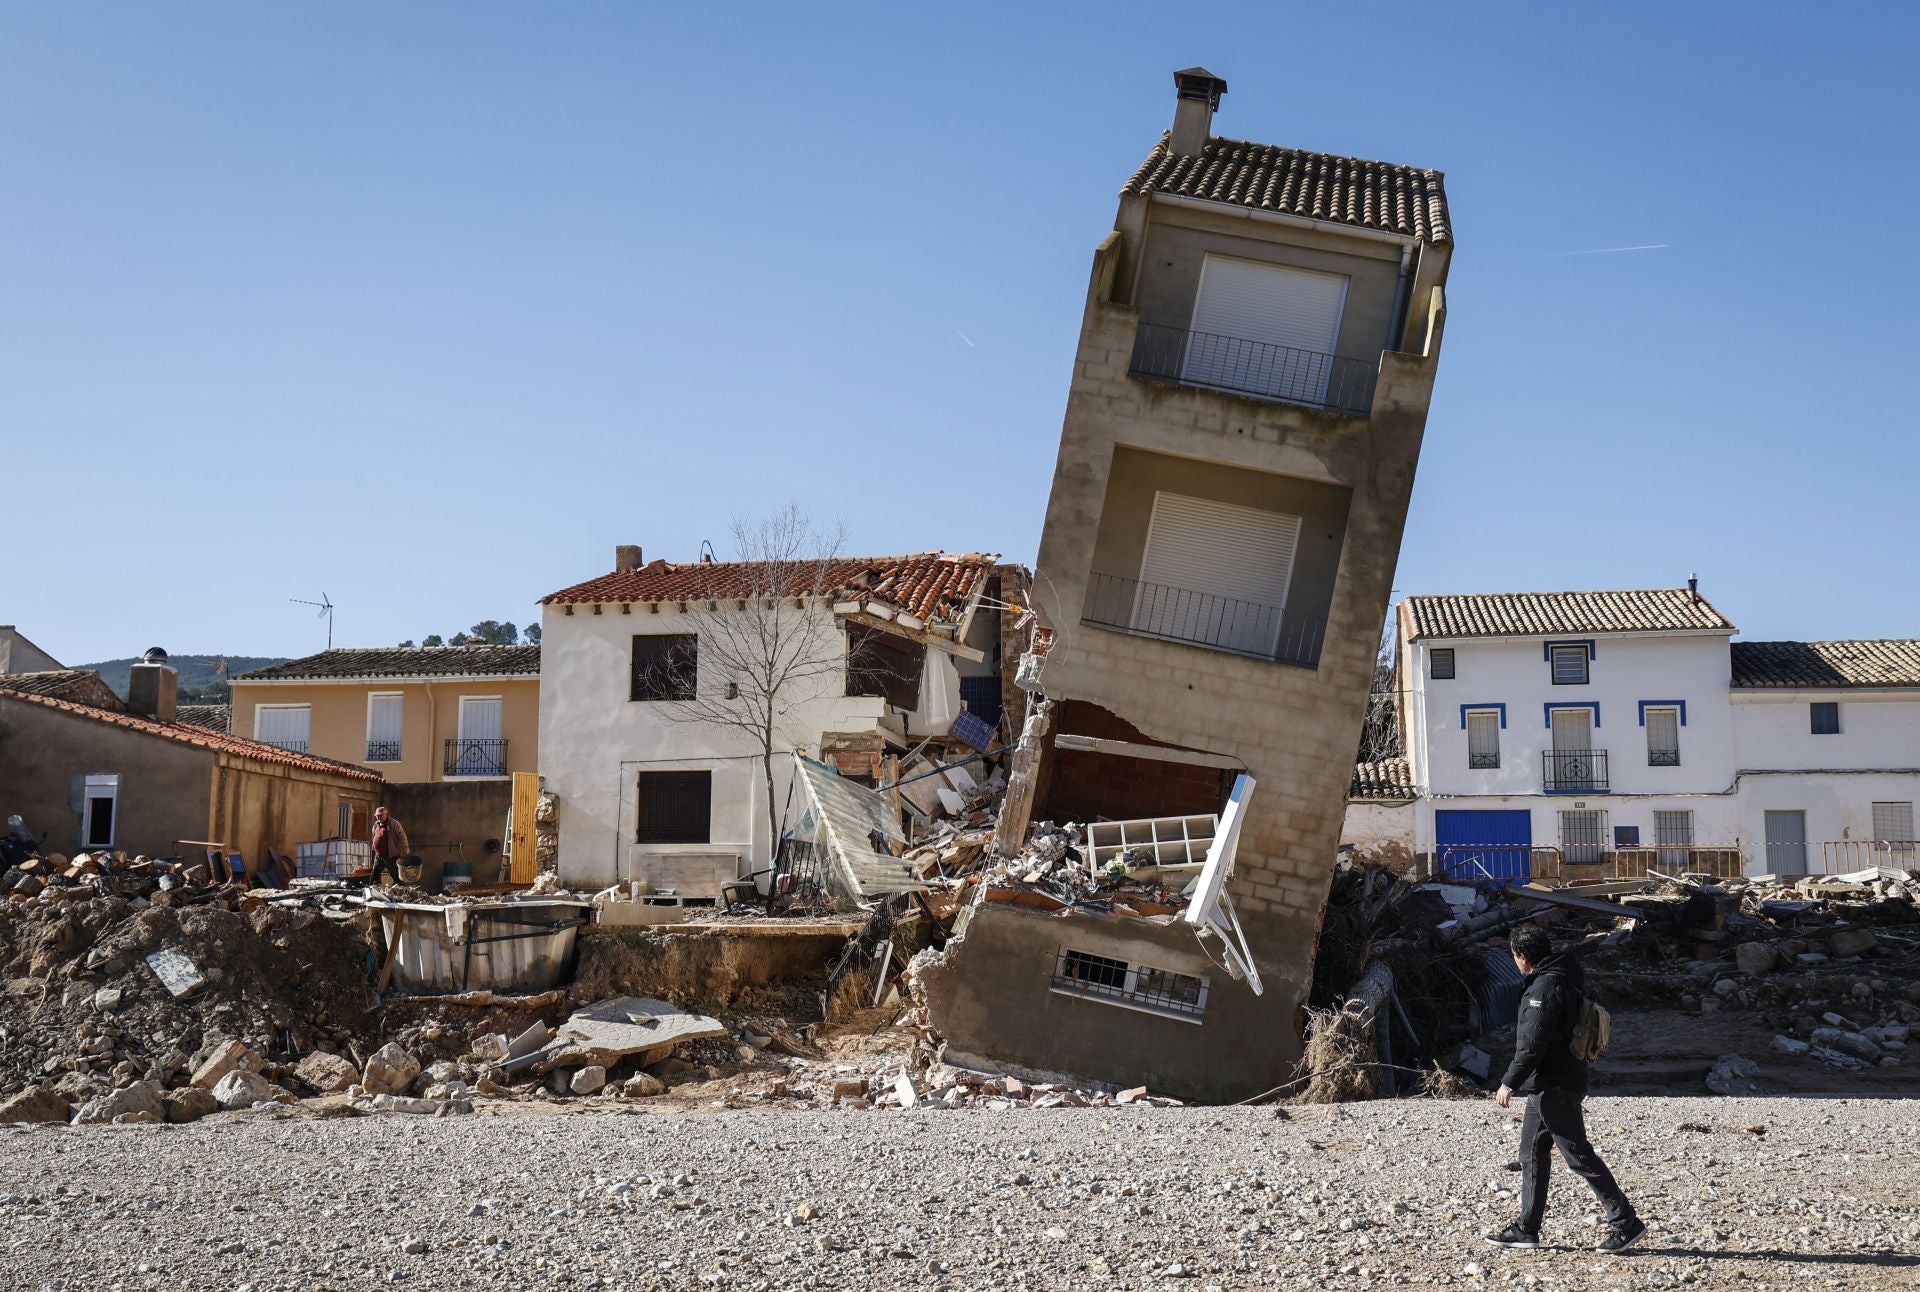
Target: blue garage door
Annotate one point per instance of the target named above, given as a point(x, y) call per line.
point(1484, 845)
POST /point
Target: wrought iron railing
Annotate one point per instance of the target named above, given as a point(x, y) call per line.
point(1574, 771)
point(291, 746)
point(475, 757)
point(1663, 758)
point(1254, 368)
point(383, 751)
point(1202, 619)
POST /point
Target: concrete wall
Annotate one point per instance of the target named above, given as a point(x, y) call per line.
point(595, 741)
point(257, 806)
point(430, 716)
point(1135, 477)
point(1380, 832)
point(18, 655)
point(466, 812)
point(1773, 730)
point(1295, 728)
point(45, 754)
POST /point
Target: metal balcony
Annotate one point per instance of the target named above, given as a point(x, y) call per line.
point(1574, 771)
point(291, 746)
point(1202, 619)
point(475, 758)
point(1254, 368)
point(383, 751)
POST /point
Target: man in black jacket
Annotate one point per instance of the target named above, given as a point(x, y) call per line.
point(1554, 1082)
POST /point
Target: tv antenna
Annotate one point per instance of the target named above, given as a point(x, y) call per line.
point(325, 606)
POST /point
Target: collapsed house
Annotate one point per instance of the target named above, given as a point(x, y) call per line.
point(1259, 347)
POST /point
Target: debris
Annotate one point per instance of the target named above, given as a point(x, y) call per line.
point(588, 1080)
point(179, 975)
point(326, 1073)
point(243, 1089)
point(229, 1057)
point(389, 1071)
point(35, 1104)
point(1734, 1075)
point(612, 1030)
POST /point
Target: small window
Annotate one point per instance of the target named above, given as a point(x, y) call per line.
point(1626, 836)
point(675, 807)
point(102, 799)
point(666, 666)
point(1483, 738)
point(1440, 663)
point(1825, 715)
point(1569, 665)
point(1142, 987)
point(1663, 737)
point(1893, 822)
point(1583, 837)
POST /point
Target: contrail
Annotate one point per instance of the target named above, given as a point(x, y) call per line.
point(964, 337)
point(1608, 251)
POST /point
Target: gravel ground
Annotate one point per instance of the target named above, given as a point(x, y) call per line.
point(1360, 1196)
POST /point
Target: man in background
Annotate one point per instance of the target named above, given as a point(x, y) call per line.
point(389, 844)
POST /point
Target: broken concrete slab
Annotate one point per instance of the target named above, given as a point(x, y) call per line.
point(326, 1073)
point(179, 975)
point(229, 1057)
point(611, 1030)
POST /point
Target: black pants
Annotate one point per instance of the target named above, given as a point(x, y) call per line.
point(1554, 1118)
point(389, 864)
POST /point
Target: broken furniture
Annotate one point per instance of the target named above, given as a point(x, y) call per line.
point(507, 945)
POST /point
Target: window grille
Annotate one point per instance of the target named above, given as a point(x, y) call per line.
point(1569, 665)
point(1159, 991)
point(1893, 822)
point(1440, 663)
point(1825, 717)
point(1663, 737)
point(1583, 837)
point(675, 807)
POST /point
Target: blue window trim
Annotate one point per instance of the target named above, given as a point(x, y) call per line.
point(1551, 705)
point(1661, 704)
point(1465, 709)
point(1546, 648)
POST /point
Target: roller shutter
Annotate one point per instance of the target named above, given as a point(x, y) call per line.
point(1244, 309)
point(1216, 573)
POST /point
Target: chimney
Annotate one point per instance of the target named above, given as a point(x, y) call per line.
point(153, 688)
point(626, 558)
point(1693, 588)
point(1197, 97)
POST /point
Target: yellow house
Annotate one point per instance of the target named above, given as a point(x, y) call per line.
point(413, 714)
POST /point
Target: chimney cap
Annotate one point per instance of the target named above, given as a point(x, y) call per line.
point(1199, 83)
point(154, 655)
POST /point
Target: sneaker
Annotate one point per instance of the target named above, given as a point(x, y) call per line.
point(1624, 1236)
point(1514, 1236)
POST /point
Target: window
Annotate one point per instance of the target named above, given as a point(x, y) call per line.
point(284, 726)
point(675, 807)
point(101, 797)
point(886, 665)
point(1893, 822)
point(1825, 716)
point(383, 726)
point(1626, 836)
point(1673, 832)
point(1569, 665)
point(1267, 329)
point(1142, 987)
point(1440, 663)
point(1483, 738)
point(1663, 737)
point(666, 666)
point(1583, 837)
point(1214, 573)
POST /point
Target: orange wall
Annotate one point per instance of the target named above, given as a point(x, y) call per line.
point(430, 716)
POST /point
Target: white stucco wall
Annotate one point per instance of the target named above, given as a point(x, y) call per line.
point(594, 741)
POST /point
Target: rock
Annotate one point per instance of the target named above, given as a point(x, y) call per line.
point(1725, 987)
point(107, 1000)
point(140, 1100)
point(1858, 1044)
point(389, 1071)
point(414, 1246)
point(644, 1086)
point(1734, 1074)
point(389, 1103)
point(1475, 1062)
point(1851, 942)
point(588, 1080)
point(242, 1089)
point(853, 1088)
point(491, 1047)
point(1810, 958)
point(1789, 1045)
point(327, 1073)
point(1756, 958)
point(35, 1104)
point(232, 1056)
point(189, 1104)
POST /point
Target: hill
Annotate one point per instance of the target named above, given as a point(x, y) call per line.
point(196, 673)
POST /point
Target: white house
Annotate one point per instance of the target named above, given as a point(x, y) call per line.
point(1576, 728)
point(630, 662)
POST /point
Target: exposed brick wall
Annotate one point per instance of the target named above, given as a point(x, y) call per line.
point(1089, 786)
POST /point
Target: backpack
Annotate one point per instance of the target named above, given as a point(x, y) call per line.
point(1592, 1030)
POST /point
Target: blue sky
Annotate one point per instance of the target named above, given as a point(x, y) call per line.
point(428, 306)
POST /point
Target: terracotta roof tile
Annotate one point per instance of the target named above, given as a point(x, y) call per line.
point(932, 586)
point(1885, 662)
point(79, 684)
point(1288, 181)
point(1551, 614)
point(218, 741)
point(405, 661)
point(1385, 778)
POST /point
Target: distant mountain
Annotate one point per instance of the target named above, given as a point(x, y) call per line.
point(196, 672)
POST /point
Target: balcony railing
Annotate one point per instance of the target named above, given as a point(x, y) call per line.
point(1254, 368)
point(383, 751)
point(475, 758)
point(291, 746)
point(1202, 619)
point(1844, 856)
point(1574, 771)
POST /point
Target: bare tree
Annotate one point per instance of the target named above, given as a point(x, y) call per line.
point(1380, 735)
point(768, 642)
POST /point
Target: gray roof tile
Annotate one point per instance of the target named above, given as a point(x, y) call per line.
point(1884, 662)
point(1553, 614)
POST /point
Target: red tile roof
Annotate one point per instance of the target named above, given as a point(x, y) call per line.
point(1553, 614)
point(932, 586)
point(1315, 186)
point(1385, 778)
point(219, 742)
point(82, 685)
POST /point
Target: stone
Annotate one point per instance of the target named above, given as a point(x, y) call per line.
point(189, 1104)
point(1859, 1045)
point(588, 1080)
point(1789, 1045)
point(107, 1000)
point(490, 1047)
point(903, 1088)
point(1475, 1062)
point(1734, 1074)
point(1756, 958)
point(230, 1057)
point(414, 1246)
point(388, 1103)
point(1128, 1096)
point(389, 1071)
point(1810, 958)
point(139, 1100)
point(1851, 942)
point(327, 1073)
point(35, 1104)
point(179, 975)
point(644, 1086)
point(243, 1089)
